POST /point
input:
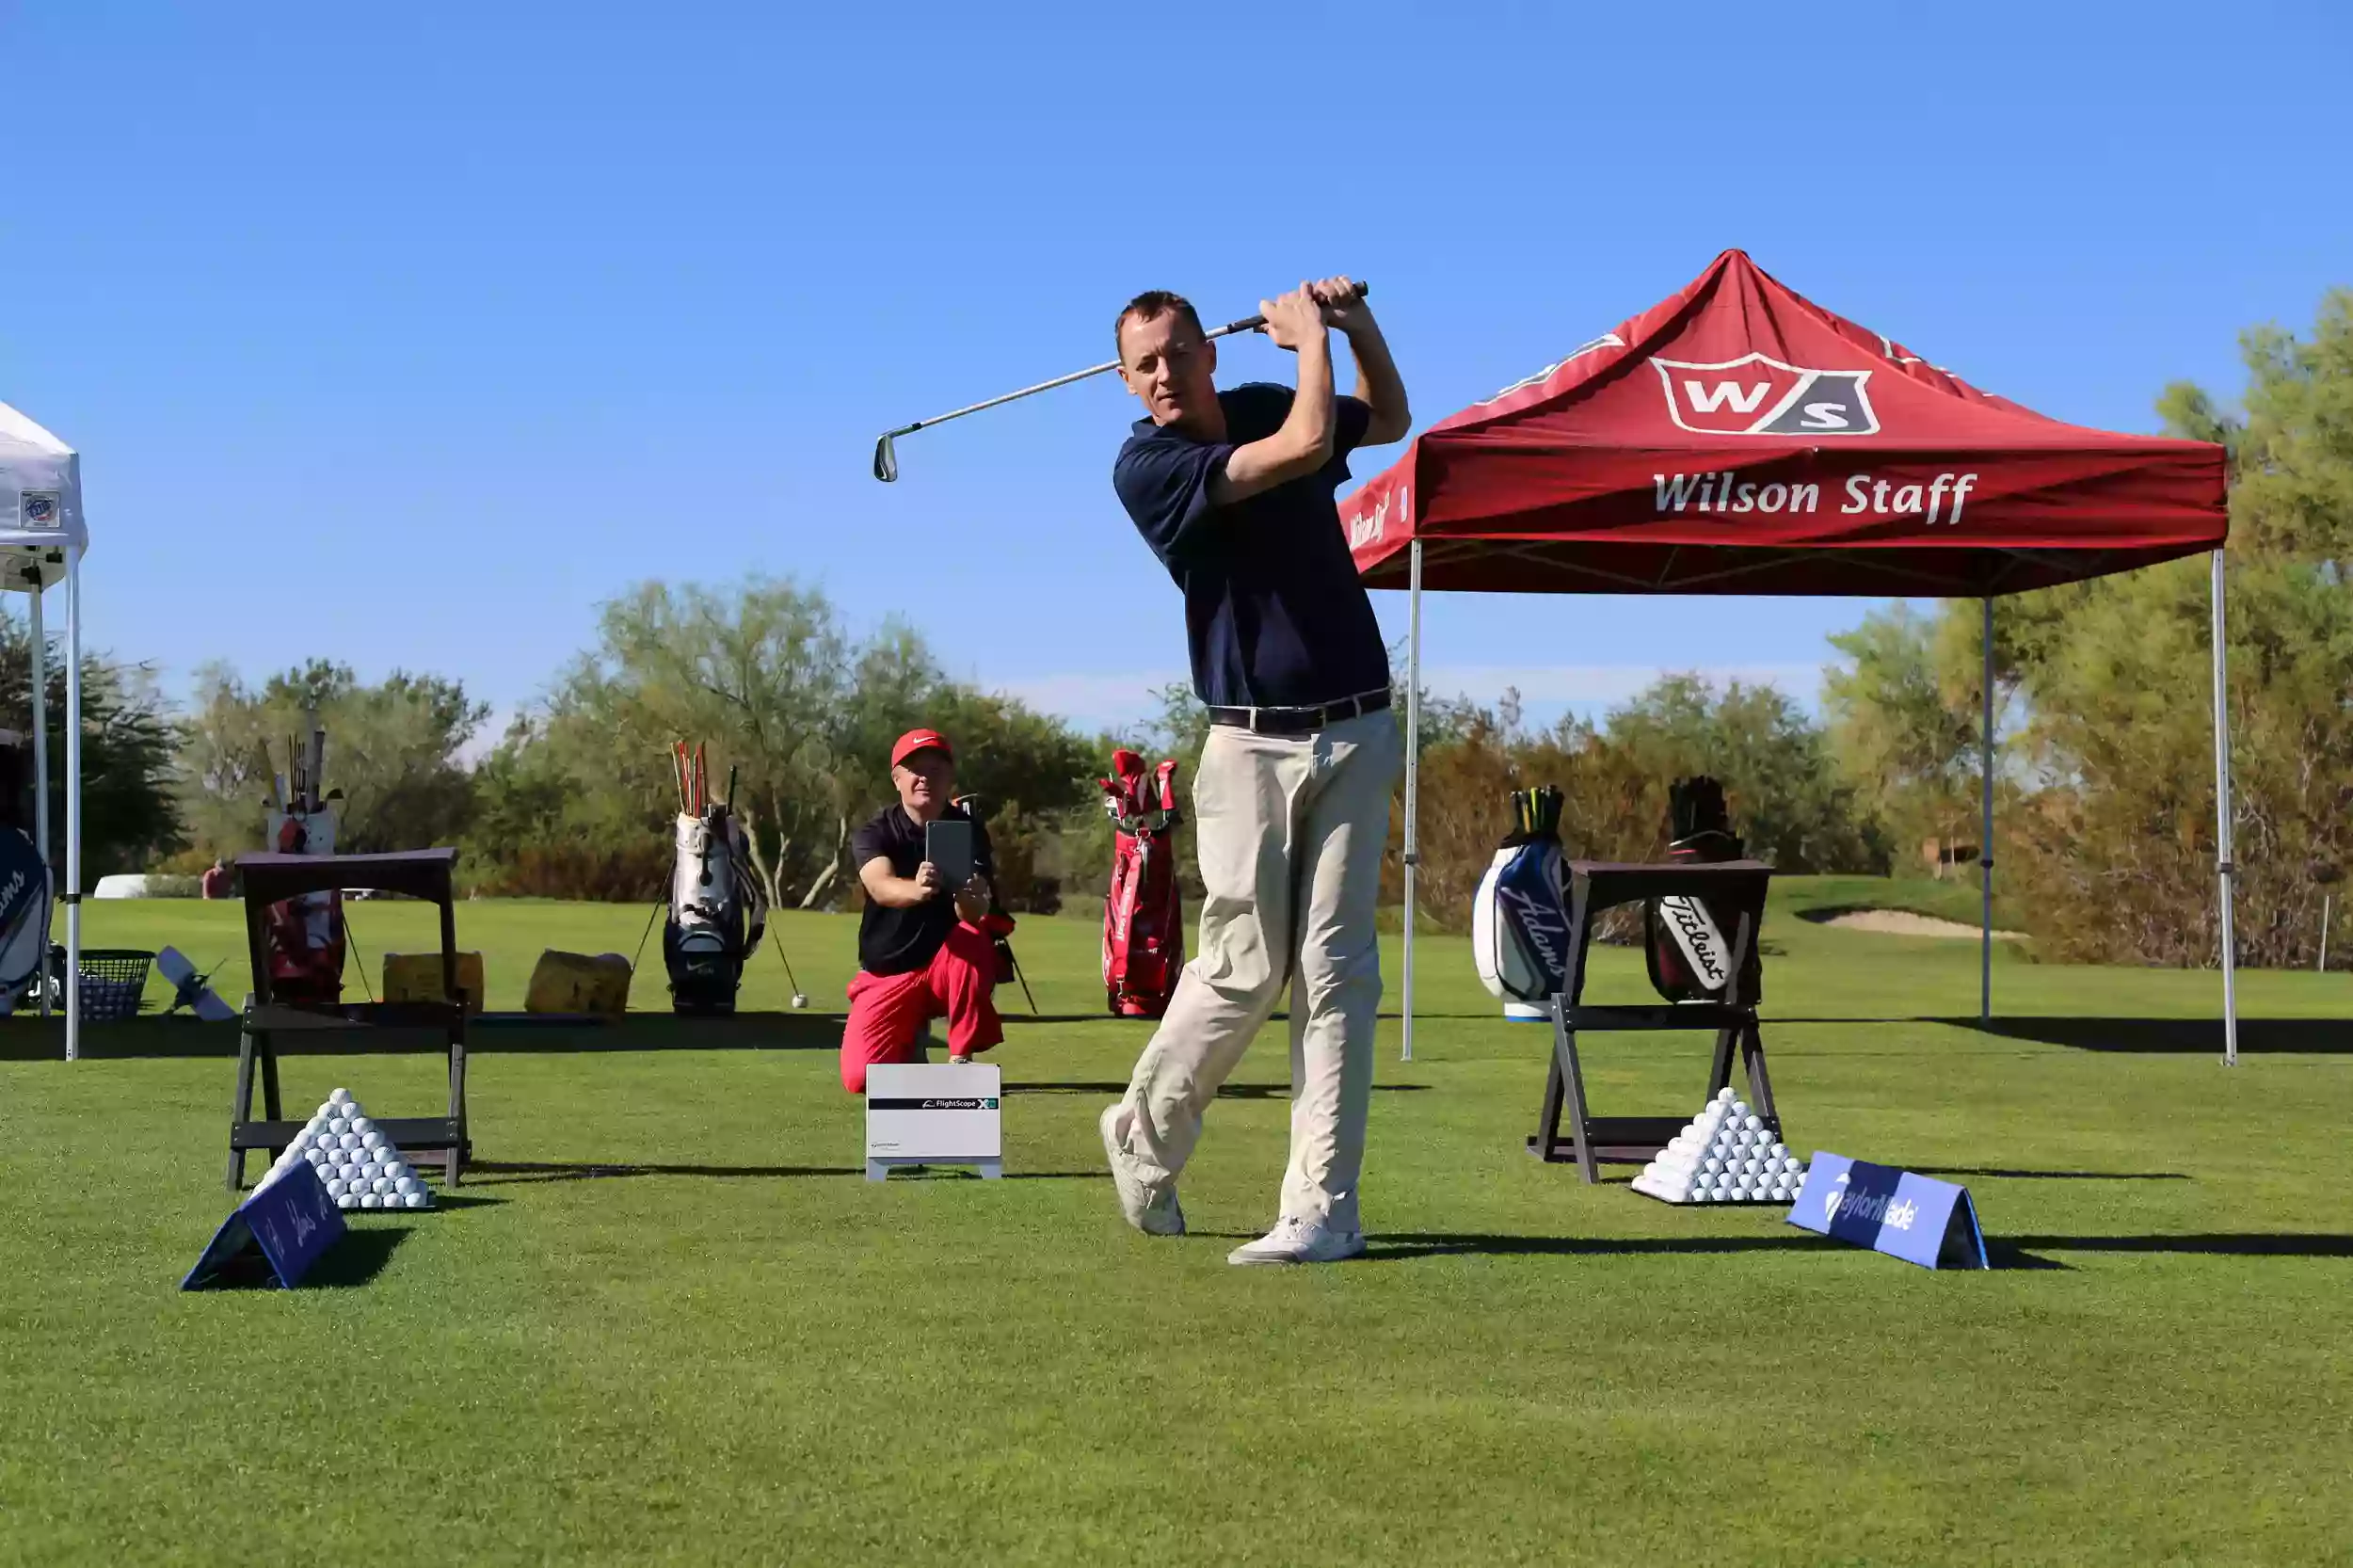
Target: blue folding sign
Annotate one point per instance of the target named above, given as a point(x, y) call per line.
point(280, 1230)
point(1916, 1217)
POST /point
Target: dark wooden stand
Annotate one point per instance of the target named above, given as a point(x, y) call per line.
point(1736, 886)
point(353, 1028)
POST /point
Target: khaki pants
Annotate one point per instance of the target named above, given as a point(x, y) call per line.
point(1290, 834)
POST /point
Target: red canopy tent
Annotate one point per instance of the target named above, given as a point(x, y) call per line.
point(1737, 439)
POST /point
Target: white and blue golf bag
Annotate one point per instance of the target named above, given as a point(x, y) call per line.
point(1519, 918)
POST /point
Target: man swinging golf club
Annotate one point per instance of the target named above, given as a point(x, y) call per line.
point(1234, 493)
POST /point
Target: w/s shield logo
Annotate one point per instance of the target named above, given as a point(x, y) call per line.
point(1753, 395)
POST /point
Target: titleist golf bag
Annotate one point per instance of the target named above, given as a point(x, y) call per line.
point(305, 938)
point(717, 911)
point(1143, 929)
point(1686, 940)
point(1519, 922)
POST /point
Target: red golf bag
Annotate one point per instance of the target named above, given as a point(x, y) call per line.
point(1144, 930)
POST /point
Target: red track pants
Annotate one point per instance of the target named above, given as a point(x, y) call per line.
point(889, 1010)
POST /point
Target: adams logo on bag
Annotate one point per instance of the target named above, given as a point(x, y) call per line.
point(1753, 395)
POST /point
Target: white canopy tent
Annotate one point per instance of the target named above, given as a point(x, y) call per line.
point(43, 538)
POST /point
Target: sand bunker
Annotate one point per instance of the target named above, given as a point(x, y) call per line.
point(1903, 923)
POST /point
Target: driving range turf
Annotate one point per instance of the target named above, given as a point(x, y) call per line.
point(665, 1318)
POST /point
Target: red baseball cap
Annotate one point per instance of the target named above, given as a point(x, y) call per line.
point(914, 740)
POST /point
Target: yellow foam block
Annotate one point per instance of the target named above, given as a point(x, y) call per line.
point(575, 982)
point(417, 977)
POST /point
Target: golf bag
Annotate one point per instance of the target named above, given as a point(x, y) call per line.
point(1144, 930)
point(1519, 921)
point(717, 912)
point(304, 938)
point(1683, 939)
point(24, 898)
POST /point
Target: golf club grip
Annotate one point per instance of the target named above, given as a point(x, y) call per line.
point(1253, 323)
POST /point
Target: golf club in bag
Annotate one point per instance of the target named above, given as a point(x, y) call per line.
point(1143, 917)
point(1684, 940)
point(1519, 924)
point(717, 911)
point(887, 449)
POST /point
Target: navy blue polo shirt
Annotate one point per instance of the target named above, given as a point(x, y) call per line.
point(1274, 613)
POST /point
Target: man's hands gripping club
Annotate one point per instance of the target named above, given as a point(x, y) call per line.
point(1302, 321)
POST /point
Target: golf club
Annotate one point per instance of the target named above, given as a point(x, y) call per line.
point(887, 451)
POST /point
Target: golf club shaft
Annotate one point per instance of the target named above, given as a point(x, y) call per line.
point(886, 460)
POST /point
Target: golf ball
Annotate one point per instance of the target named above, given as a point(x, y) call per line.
point(1724, 1095)
point(1781, 1151)
point(315, 1155)
point(348, 1141)
point(1753, 1124)
point(336, 1187)
point(361, 1124)
point(346, 1201)
point(1711, 1164)
point(369, 1200)
point(1739, 1108)
point(416, 1199)
point(382, 1185)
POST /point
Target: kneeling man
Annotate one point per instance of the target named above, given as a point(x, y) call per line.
point(923, 948)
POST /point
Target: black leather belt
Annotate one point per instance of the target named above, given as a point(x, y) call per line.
point(1299, 721)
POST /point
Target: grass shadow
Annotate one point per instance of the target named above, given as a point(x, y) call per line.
point(2249, 1243)
point(1229, 1091)
point(1992, 1171)
point(515, 1172)
point(355, 1259)
point(2173, 1037)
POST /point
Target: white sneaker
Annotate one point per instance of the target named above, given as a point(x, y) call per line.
point(1155, 1214)
point(1300, 1241)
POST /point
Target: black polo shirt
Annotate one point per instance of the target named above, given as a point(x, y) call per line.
point(1274, 613)
point(898, 941)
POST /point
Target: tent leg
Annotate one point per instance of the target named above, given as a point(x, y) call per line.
point(2225, 869)
point(1985, 835)
point(1412, 779)
point(39, 651)
point(72, 804)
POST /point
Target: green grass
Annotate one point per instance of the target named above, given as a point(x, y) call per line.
point(667, 1322)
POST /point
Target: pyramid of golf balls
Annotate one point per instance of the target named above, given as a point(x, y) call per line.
point(358, 1164)
point(1723, 1155)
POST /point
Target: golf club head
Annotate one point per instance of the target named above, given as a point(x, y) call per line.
point(886, 460)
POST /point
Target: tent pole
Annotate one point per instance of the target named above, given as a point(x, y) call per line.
point(2225, 871)
point(72, 804)
point(1413, 775)
point(1985, 835)
point(38, 639)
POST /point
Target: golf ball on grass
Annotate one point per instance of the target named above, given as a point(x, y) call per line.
point(417, 1200)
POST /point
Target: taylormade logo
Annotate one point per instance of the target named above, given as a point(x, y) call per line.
point(1880, 1206)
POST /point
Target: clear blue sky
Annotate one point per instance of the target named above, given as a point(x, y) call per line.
point(421, 329)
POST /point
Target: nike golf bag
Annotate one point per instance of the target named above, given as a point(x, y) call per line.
point(717, 911)
point(1519, 921)
point(1688, 942)
point(1143, 931)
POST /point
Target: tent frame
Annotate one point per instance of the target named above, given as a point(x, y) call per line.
point(2225, 869)
point(34, 587)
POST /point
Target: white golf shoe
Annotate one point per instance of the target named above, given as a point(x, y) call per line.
point(1294, 1240)
point(1155, 1214)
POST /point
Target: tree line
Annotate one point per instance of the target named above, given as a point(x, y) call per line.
point(2104, 778)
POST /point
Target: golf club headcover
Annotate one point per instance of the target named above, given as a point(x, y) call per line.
point(1684, 938)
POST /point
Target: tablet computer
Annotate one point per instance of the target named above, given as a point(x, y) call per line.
point(948, 844)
